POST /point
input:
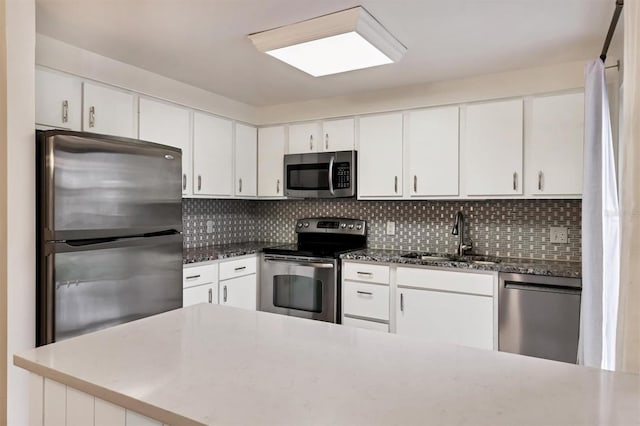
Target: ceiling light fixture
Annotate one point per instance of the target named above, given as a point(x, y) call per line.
point(343, 41)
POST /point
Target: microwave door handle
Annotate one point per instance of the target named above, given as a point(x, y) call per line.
point(331, 190)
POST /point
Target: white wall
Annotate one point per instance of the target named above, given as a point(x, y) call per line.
point(493, 86)
point(20, 31)
point(61, 56)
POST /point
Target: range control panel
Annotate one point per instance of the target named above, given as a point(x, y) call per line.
point(332, 226)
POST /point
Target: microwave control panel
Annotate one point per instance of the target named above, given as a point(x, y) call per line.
point(342, 175)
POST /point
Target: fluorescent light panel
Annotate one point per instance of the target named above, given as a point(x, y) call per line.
point(331, 44)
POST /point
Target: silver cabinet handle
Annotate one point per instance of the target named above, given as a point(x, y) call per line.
point(192, 277)
point(366, 293)
point(366, 274)
point(326, 141)
point(199, 182)
point(415, 183)
point(184, 182)
point(240, 268)
point(515, 181)
point(224, 294)
point(311, 142)
point(540, 180)
point(240, 185)
point(278, 186)
point(92, 116)
point(331, 190)
point(210, 295)
point(395, 185)
point(65, 111)
point(401, 302)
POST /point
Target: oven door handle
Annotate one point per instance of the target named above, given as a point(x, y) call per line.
point(318, 265)
point(331, 161)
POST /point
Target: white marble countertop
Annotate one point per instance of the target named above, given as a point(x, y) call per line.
point(210, 364)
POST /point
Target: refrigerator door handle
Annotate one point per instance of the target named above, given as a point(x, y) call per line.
point(107, 243)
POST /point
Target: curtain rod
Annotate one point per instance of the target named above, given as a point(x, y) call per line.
point(612, 29)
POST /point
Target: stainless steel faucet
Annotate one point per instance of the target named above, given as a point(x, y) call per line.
point(458, 229)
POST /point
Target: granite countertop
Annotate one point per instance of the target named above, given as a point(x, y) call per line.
point(553, 268)
point(223, 251)
point(212, 364)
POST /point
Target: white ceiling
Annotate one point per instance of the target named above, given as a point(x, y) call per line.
point(204, 42)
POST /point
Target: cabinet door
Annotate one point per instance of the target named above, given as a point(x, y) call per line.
point(246, 160)
point(493, 148)
point(338, 135)
point(380, 156)
point(270, 161)
point(58, 100)
point(168, 125)
point(553, 150)
point(433, 152)
point(212, 155)
point(108, 111)
point(460, 319)
point(304, 138)
point(207, 293)
point(239, 292)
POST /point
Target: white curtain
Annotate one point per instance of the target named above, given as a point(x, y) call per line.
point(628, 344)
point(600, 229)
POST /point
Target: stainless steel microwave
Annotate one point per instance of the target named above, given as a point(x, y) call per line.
point(320, 174)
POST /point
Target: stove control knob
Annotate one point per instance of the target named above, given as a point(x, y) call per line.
point(306, 224)
point(299, 224)
point(358, 227)
point(351, 226)
point(344, 225)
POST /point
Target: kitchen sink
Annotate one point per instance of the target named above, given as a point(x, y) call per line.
point(473, 259)
point(429, 256)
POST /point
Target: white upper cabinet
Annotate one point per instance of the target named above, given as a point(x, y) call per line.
point(432, 148)
point(108, 111)
point(246, 154)
point(492, 148)
point(212, 155)
point(271, 144)
point(553, 145)
point(380, 156)
point(58, 100)
point(338, 135)
point(168, 124)
point(304, 137)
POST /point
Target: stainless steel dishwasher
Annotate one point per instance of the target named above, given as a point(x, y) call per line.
point(539, 316)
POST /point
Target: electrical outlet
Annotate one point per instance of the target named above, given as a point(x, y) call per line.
point(209, 227)
point(391, 228)
point(558, 235)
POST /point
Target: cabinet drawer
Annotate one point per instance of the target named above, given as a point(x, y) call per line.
point(198, 275)
point(459, 282)
point(366, 300)
point(369, 325)
point(366, 272)
point(237, 268)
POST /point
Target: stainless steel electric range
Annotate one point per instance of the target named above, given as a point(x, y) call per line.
point(303, 279)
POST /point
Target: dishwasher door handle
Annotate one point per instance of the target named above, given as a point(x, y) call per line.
point(302, 263)
point(543, 287)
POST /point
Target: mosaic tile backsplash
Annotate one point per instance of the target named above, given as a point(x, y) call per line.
point(507, 228)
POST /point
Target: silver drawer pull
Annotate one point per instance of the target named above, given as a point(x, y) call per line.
point(515, 181)
point(92, 116)
point(184, 182)
point(193, 277)
point(224, 294)
point(366, 274)
point(240, 268)
point(199, 182)
point(540, 180)
point(366, 293)
point(65, 111)
point(311, 142)
point(326, 141)
point(415, 183)
point(210, 295)
point(395, 184)
point(240, 185)
point(401, 302)
point(278, 186)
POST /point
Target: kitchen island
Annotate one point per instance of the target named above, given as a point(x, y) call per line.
point(210, 364)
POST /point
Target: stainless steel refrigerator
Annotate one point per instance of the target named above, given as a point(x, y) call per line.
point(109, 232)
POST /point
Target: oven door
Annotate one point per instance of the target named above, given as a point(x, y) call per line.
point(299, 286)
point(320, 175)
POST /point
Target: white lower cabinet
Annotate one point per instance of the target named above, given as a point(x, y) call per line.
point(365, 296)
point(442, 306)
point(239, 292)
point(199, 284)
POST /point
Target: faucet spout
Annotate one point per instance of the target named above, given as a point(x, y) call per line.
point(458, 229)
